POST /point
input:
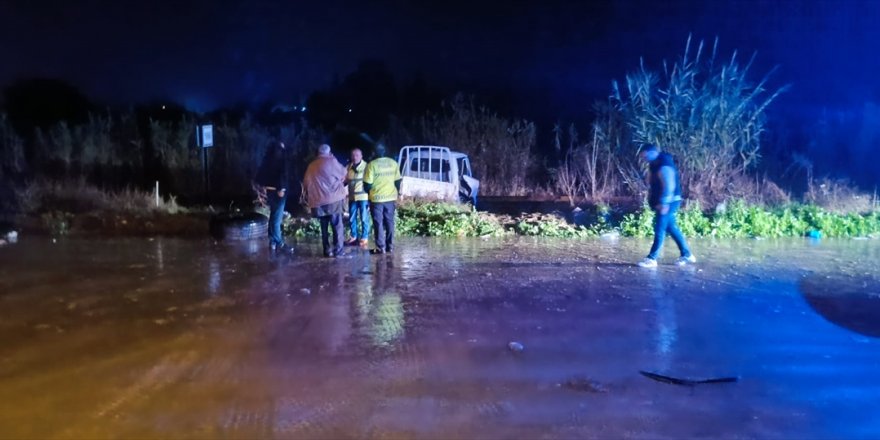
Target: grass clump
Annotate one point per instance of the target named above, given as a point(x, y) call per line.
point(432, 219)
point(77, 197)
point(736, 219)
point(301, 227)
point(740, 220)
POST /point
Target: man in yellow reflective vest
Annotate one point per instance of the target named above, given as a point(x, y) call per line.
point(358, 200)
point(382, 182)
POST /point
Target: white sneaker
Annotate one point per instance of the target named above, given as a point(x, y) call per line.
point(683, 261)
point(648, 263)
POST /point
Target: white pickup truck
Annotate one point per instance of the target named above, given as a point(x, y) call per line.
point(436, 173)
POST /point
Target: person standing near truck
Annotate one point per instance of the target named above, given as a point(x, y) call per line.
point(358, 200)
point(664, 197)
point(326, 193)
point(382, 182)
point(274, 177)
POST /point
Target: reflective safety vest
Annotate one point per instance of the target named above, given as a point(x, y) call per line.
point(356, 182)
point(381, 174)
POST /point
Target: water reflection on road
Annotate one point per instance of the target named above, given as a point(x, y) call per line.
point(193, 339)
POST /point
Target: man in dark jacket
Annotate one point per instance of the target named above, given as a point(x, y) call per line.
point(274, 177)
point(664, 197)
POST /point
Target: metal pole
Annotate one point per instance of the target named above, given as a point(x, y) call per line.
point(205, 167)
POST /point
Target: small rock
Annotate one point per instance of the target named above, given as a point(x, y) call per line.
point(612, 235)
point(583, 385)
point(305, 291)
point(515, 347)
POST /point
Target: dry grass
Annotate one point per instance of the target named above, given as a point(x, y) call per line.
point(500, 149)
point(705, 111)
point(79, 197)
point(840, 196)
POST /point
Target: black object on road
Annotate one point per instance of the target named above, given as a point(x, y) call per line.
point(686, 382)
point(239, 226)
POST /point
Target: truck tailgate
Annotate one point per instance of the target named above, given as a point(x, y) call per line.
point(428, 189)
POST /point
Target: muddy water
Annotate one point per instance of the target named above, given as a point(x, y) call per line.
point(192, 339)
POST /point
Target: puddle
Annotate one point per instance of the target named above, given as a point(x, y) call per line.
point(189, 338)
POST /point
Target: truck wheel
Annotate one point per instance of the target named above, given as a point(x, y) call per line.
point(239, 226)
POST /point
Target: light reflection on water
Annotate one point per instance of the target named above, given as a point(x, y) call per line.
point(437, 316)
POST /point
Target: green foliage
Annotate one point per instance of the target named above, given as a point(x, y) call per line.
point(638, 224)
point(445, 220)
point(57, 222)
point(302, 227)
point(739, 220)
point(550, 226)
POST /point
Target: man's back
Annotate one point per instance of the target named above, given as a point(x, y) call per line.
point(323, 181)
point(381, 175)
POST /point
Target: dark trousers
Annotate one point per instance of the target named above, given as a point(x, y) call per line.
point(276, 215)
point(383, 224)
point(663, 224)
point(335, 221)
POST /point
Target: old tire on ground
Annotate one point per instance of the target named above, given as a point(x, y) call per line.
point(239, 226)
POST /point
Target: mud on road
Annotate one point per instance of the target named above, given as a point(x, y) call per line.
point(192, 339)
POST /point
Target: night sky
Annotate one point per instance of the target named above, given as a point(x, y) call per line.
point(555, 58)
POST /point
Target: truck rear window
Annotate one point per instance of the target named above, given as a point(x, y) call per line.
point(429, 165)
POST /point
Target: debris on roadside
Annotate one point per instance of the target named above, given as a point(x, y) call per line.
point(515, 347)
point(686, 382)
point(583, 384)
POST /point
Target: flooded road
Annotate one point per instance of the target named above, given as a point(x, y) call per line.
point(191, 339)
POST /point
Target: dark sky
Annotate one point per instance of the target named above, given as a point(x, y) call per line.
point(558, 55)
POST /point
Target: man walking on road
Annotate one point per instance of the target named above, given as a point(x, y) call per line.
point(274, 177)
point(326, 193)
point(382, 182)
point(664, 197)
point(359, 205)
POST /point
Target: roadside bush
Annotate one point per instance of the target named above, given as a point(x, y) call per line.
point(840, 196)
point(705, 111)
point(740, 220)
point(301, 227)
point(445, 220)
point(549, 226)
point(500, 149)
point(736, 219)
point(76, 197)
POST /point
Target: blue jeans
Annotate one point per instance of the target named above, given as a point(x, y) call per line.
point(359, 219)
point(276, 214)
point(663, 224)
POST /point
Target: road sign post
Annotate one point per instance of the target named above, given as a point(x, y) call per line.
point(205, 140)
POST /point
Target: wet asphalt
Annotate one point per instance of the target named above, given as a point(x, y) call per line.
point(500, 338)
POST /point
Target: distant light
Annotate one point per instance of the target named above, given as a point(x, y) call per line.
point(163, 108)
point(304, 108)
point(349, 110)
